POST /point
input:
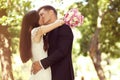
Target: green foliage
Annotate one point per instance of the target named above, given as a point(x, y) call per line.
point(14, 11)
point(87, 29)
point(108, 37)
point(3, 4)
point(110, 31)
point(103, 4)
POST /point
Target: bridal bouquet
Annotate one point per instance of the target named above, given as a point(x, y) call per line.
point(73, 18)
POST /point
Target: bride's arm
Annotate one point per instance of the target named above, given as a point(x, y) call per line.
point(47, 28)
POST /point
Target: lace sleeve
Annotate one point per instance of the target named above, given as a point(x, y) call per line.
point(34, 35)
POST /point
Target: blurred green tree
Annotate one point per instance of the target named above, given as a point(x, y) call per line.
point(11, 12)
point(100, 30)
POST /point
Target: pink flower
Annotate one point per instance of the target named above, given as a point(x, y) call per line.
point(73, 18)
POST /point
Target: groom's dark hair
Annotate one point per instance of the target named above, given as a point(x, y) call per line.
point(48, 7)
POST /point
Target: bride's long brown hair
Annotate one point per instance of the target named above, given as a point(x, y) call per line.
point(29, 21)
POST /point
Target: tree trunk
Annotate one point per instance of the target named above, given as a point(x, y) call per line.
point(96, 56)
point(95, 53)
point(5, 55)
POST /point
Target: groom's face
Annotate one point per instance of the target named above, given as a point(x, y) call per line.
point(44, 16)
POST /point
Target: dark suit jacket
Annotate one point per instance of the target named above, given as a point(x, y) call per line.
point(59, 53)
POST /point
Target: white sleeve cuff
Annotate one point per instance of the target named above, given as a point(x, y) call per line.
point(41, 65)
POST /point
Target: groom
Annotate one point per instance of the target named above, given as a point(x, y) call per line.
point(60, 47)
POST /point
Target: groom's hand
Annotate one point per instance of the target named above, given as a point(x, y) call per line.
point(36, 67)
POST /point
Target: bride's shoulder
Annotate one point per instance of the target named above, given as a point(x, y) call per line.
point(34, 30)
point(35, 36)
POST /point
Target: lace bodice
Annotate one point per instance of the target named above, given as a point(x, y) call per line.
point(38, 52)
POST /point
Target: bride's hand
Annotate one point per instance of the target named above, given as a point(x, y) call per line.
point(36, 67)
point(61, 21)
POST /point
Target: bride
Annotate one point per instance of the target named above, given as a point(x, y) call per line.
point(32, 43)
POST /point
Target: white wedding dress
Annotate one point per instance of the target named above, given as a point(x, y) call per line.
point(38, 53)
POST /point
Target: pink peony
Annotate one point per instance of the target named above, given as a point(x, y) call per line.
point(73, 18)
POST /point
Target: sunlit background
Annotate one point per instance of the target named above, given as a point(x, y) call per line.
point(82, 62)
